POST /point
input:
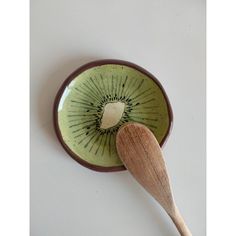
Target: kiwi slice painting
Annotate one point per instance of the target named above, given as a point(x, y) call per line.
point(97, 99)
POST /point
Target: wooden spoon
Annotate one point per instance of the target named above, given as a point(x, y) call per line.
point(141, 154)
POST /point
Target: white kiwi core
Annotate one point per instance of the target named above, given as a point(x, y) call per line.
point(112, 114)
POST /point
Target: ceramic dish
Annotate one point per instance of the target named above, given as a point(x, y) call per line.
point(97, 99)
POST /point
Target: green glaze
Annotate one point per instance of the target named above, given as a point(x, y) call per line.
point(81, 107)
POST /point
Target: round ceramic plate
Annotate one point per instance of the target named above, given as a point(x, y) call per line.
point(97, 99)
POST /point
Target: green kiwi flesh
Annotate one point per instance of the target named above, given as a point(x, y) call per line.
point(94, 103)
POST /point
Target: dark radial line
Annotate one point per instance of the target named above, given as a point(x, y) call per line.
point(105, 92)
point(83, 115)
point(132, 87)
point(120, 86)
point(84, 118)
point(136, 89)
point(123, 85)
point(141, 94)
point(99, 144)
point(107, 83)
point(147, 124)
point(140, 84)
point(97, 138)
point(109, 86)
point(84, 94)
point(131, 84)
point(84, 127)
point(84, 107)
point(77, 101)
point(142, 97)
point(91, 92)
point(146, 113)
point(83, 100)
point(126, 78)
point(73, 120)
point(86, 111)
point(100, 85)
point(112, 85)
point(144, 108)
point(83, 103)
point(104, 145)
point(92, 89)
point(73, 111)
point(102, 80)
point(113, 141)
point(150, 100)
point(81, 119)
point(117, 85)
point(87, 94)
point(126, 88)
point(85, 122)
point(99, 90)
point(109, 143)
point(96, 135)
point(89, 135)
point(142, 118)
point(78, 135)
point(91, 105)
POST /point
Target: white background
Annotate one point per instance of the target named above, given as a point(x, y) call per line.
point(168, 39)
point(221, 74)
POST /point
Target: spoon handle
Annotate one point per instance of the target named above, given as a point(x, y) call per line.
point(179, 223)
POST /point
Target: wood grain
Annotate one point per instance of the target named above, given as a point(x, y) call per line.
point(142, 156)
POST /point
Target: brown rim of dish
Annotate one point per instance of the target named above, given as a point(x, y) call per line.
point(73, 76)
